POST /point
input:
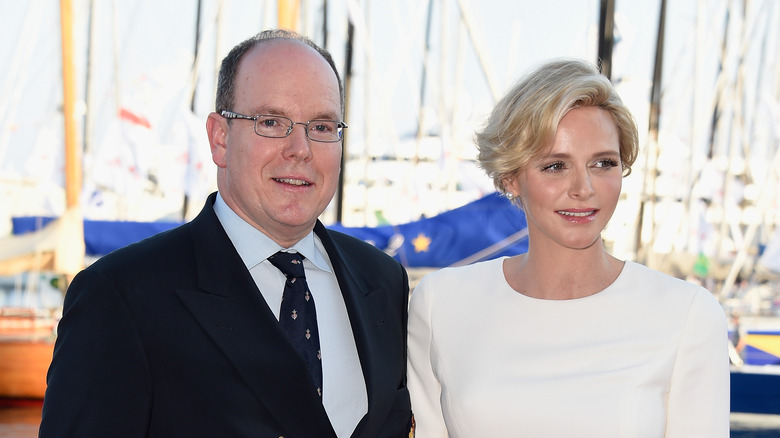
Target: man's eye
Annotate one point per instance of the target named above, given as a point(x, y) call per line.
point(322, 127)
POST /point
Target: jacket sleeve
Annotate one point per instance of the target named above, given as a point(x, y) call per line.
point(98, 380)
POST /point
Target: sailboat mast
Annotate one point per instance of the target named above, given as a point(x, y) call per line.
point(349, 53)
point(69, 254)
point(606, 36)
point(186, 201)
point(288, 12)
point(423, 78)
point(647, 206)
point(72, 152)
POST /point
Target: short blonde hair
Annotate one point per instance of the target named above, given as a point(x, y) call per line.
point(524, 122)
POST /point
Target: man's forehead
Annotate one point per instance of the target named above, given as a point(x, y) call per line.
point(285, 57)
point(278, 50)
point(283, 63)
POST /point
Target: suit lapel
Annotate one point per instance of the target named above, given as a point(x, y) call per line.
point(234, 315)
point(366, 315)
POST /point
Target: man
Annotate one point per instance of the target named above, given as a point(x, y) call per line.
point(180, 335)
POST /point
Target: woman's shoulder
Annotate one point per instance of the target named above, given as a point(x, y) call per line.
point(472, 271)
point(459, 286)
point(459, 278)
point(642, 275)
point(665, 288)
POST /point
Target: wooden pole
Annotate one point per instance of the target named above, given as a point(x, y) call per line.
point(69, 253)
point(72, 152)
point(287, 12)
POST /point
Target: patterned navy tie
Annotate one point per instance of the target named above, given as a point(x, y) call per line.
point(298, 317)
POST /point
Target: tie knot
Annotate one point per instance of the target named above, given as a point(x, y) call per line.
point(290, 263)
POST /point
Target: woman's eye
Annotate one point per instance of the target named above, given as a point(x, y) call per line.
point(553, 167)
point(607, 164)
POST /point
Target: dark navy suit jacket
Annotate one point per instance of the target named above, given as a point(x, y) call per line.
point(170, 337)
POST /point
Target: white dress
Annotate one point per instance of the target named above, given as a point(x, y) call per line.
point(645, 357)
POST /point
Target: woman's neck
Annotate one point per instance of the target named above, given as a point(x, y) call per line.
point(564, 274)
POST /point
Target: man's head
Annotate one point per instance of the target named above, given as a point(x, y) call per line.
point(226, 84)
point(278, 185)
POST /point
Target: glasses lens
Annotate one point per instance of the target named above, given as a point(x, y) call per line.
point(272, 126)
point(324, 130)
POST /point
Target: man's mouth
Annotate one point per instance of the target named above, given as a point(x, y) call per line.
point(294, 182)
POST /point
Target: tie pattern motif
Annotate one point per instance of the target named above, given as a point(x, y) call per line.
point(298, 316)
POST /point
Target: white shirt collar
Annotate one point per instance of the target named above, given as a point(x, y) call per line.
point(254, 246)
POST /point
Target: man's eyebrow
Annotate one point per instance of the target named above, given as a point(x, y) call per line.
point(267, 110)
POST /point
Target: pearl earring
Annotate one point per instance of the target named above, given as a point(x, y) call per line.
point(510, 196)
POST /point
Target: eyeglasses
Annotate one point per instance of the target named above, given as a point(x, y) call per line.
point(266, 125)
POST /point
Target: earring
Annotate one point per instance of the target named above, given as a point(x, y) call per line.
point(509, 196)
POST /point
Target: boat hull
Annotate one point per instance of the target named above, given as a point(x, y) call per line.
point(23, 367)
point(756, 389)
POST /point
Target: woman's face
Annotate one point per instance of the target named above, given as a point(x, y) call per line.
point(570, 191)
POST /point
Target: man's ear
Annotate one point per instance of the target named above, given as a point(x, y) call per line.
point(216, 128)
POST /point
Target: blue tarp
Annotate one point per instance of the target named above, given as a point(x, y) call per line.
point(484, 229)
point(100, 237)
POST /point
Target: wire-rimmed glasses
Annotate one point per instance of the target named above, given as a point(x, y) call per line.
point(273, 126)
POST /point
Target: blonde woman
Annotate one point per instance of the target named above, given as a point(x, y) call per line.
point(565, 340)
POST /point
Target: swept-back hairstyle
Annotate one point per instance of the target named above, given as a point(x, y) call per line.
point(226, 82)
point(524, 122)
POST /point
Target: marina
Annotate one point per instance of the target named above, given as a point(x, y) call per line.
point(701, 203)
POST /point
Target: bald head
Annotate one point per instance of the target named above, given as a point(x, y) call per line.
point(226, 84)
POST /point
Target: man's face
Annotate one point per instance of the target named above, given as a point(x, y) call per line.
point(279, 185)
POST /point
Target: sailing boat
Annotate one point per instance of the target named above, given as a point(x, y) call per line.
point(26, 345)
point(26, 334)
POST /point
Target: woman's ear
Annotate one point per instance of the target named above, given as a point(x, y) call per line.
point(510, 185)
point(512, 189)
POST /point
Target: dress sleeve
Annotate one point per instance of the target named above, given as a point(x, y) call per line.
point(699, 390)
point(424, 386)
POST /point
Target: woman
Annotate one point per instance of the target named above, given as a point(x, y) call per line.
point(565, 340)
